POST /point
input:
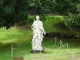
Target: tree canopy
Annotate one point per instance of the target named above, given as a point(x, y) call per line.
point(73, 20)
point(12, 11)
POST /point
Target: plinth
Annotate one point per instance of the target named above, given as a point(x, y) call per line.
point(37, 51)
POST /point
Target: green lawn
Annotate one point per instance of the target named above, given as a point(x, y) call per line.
point(22, 46)
point(14, 35)
point(21, 39)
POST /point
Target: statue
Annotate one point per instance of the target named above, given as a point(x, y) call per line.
point(38, 32)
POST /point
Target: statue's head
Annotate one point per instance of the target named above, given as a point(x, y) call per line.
point(37, 17)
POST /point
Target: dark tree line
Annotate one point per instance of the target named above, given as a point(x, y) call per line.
point(72, 21)
point(54, 6)
point(13, 11)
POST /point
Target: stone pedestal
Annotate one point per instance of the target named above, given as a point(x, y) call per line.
point(36, 51)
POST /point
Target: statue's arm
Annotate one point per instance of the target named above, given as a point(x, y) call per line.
point(42, 30)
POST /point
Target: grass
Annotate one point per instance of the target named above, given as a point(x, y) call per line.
point(13, 35)
point(23, 50)
point(50, 23)
point(50, 51)
point(16, 36)
point(21, 39)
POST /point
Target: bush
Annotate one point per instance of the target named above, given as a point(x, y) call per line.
point(73, 22)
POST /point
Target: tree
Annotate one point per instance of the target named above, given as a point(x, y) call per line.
point(73, 20)
point(35, 5)
point(47, 6)
point(12, 11)
point(54, 6)
point(64, 6)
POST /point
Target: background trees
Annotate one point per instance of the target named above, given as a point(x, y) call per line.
point(12, 11)
point(73, 20)
point(53, 6)
point(64, 6)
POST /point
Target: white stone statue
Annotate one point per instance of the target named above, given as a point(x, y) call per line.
point(38, 32)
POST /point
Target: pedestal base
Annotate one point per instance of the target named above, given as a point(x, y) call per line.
point(36, 51)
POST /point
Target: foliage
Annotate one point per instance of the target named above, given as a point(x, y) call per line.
point(78, 8)
point(47, 6)
point(64, 6)
point(53, 6)
point(73, 20)
point(12, 11)
point(14, 35)
point(31, 18)
point(51, 21)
